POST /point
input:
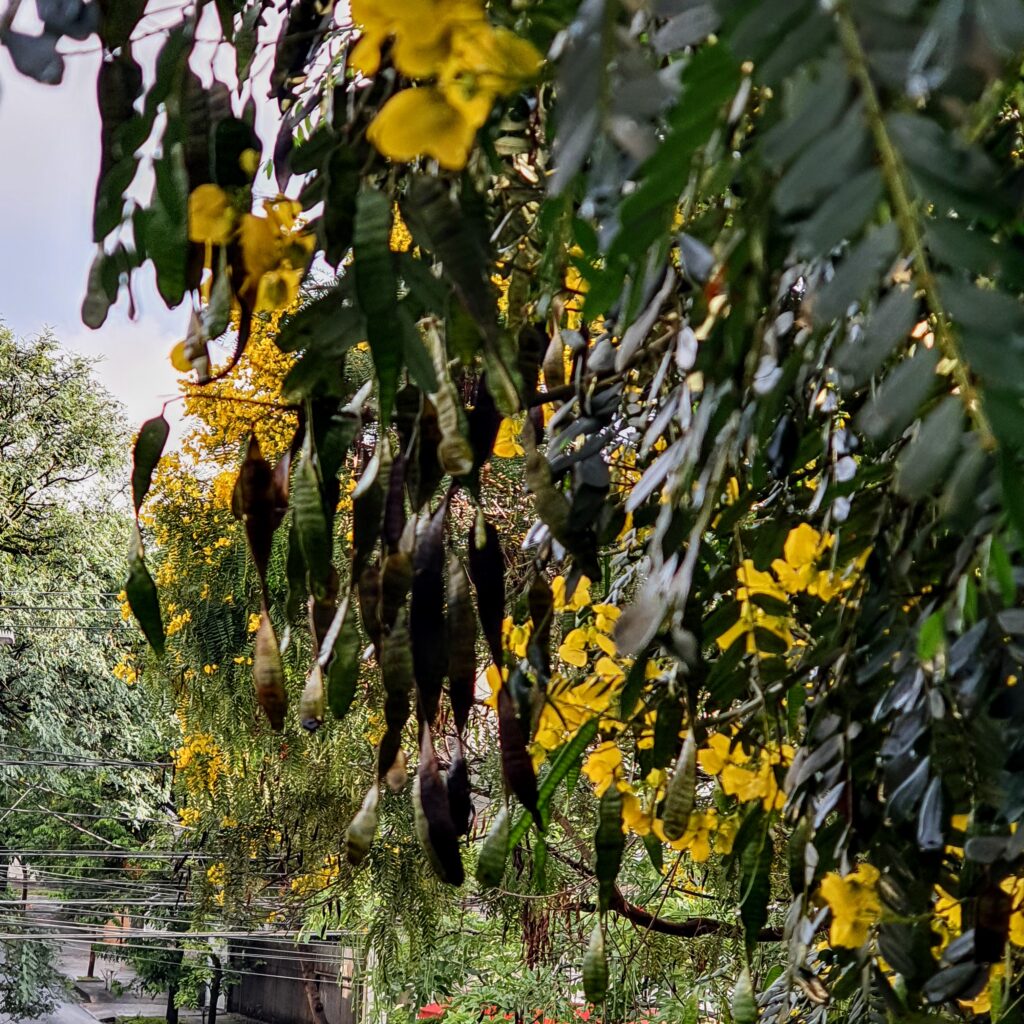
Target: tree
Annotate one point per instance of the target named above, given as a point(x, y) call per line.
point(746, 280)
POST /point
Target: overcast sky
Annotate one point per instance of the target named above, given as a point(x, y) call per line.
point(51, 155)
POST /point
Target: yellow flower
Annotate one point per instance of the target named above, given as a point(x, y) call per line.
point(507, 445)
point(603, 766)
point(573, 649)
point(803, 547)
point(275, 254)
point(696, 840)
point(188, 816)
point(254, 622)
point(754, 581)
point(211, 216)
point(982, 1002)
point(720, 752)
point(580, 597)
point(421, 122)
point(854, 903)
point(217, 873)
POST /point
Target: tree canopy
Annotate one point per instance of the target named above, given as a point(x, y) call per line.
point(650, 370)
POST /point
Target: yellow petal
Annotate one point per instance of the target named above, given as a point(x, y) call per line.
point(179, 360)
point(419, 122)
point(211, 217)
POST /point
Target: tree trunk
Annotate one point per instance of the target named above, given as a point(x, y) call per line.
point(90, 971)
point(316, 1006)
point(214, 990)
point(172, 1010)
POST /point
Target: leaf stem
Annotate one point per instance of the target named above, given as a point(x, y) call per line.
point(903, 207)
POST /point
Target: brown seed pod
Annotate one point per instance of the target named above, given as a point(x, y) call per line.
point(268, 674)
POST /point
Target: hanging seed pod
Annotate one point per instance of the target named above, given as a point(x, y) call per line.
point(461, 643)
point(394, 505)
point(428, 462)
point(484, 422)
point(459, 798)
point(743, 1004)
point(397, 776)
point(541, 603)
point(490, 863)
point(396, 580)
point(515, 758)
point(253, 501)
point(343, 666)
point(595, 968)
point(426, 617)
point(487, 571)
point(533, 342)
point(609, 842)
point(311, 703)
point(552, 506)
point(434, 818)
point(454, 451)
point(268, 674)
point(554, 362)
point(361, 830)
point(311, 521)
point(369, 593)
point(681, 790)
point(396, 675)
point(367, 511)
point(322, 609)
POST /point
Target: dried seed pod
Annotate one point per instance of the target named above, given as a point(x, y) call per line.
point(396, 675)
point(394, 505)
point(454, 451)
point(434, 818)
point(311, 703)
point(396, 580)
point(461, 643)
point(255, 502)
point(490, 863)
point(681, 790)
point(541, 603)
point(487, 571)
point(484, 422)
point(268, 674)
point(397, 776)
point(459, 798)
point(426, 617)
point(361, 830)
point(369, 592)
point(515, 758)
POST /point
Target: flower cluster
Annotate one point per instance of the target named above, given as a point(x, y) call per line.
point(462, 62)
point(799, 571)
point(200, 762)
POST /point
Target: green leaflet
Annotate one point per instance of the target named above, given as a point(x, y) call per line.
point(566, 759)
point(377, 292)
point(609, 843)
point(310, 521)
point(142, 596)
point(148, 448)
point(490, 864)
point(743, 1006)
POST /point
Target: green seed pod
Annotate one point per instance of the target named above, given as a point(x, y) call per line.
point(311, 703)
point(268, 674)
point(343, 669)
point(609, 842)
point(595, 968)
point(490, 864)
point(369, 593)
point(681, 790)
point(744, 1007)
point(362, 828)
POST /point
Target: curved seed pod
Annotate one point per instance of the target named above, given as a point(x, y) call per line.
point(397, 776)
point(487, 571)
point(541, 603)
point(454, 451)
point(459, 799)
point(554, 362)
point(361, 830)
point(484, 422)
point(367, 509)
point(396, 579)
point(681, 789)
point(552, 506)
point(533, 342)
point(253, 502)
point(434, 817)
point(595, 968)
point(431, 472)
point(311, 703)
point(426, 617)
point(396, 675)
point(743, 1005)
point(515, 758)
point(343, 668)
point(461, 643)
point(490, 863)
point(609, 842)
point(394, 506)
point(311, 522)
point(324, 607)
point(369, 593)
point(268, 674)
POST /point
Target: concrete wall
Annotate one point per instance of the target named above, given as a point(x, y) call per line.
point(276, 995)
